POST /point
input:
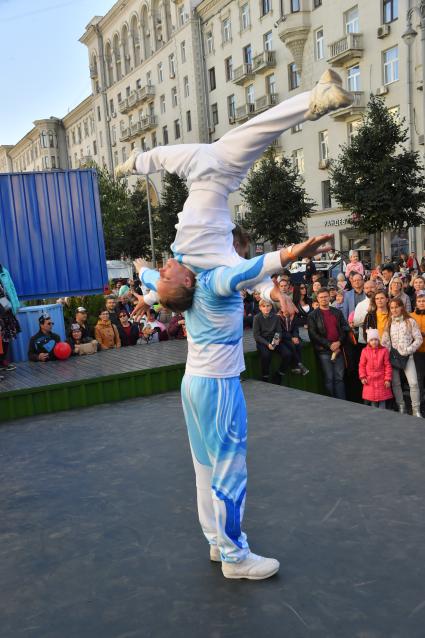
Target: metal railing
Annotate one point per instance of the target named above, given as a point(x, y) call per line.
point(350, 41)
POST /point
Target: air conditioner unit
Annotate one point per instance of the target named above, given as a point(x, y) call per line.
point(383, 31)
point(172, 76)
point(420, 139)
point(324, 163)
point(419, 85)
point(382, 90)
point(113, 114)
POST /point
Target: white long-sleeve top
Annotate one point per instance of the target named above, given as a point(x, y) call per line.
point(404, 335)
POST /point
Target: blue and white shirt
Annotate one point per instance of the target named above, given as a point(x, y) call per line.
point(214, 322)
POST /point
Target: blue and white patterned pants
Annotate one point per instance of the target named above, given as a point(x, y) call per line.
point(216, 419)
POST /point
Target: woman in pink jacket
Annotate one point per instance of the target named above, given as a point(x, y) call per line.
point(355, 265)
point(375, 371)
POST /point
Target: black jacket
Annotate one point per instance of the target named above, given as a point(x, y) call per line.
point(266, 327)
point(132, 338)
point(317, 330)
point(288, 334)
point(42, 343)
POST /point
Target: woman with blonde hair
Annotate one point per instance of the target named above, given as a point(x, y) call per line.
point(402, 338)
point(396, 292)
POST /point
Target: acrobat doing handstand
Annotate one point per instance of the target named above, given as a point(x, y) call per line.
point(204, 280)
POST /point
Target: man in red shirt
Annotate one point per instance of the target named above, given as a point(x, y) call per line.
point(328, 329)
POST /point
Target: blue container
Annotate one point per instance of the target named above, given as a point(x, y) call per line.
point(28, 319)
point(51, 236)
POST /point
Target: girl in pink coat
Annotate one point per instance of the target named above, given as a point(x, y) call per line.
point(375, 371)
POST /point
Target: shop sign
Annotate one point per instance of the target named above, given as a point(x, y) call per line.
point(342, 221)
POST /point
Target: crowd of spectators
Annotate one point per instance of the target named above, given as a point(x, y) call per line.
point(366, 327)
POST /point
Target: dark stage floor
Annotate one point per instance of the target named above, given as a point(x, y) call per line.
point(99, 535)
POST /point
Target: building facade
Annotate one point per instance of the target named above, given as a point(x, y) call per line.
point(168, 72)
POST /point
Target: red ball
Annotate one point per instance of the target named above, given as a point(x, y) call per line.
point(62, 350)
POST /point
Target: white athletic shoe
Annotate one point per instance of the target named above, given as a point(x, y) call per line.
point(127, 168)
point(328, 95)
point(215, 555)
point(253, 567)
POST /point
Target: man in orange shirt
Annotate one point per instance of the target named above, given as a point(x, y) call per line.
point(419, 356)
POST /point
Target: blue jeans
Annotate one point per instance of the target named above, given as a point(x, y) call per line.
point(334, 374)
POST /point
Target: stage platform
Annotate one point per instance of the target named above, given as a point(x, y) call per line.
point(99, 533)
point(114, 375)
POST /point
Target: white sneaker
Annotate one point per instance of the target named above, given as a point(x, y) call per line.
point(328, 95)
point(127, 168)
point(215, 555)
point(253, 567)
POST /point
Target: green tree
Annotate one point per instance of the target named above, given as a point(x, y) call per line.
point(174, 195)
point(376, 177)
point(276, 202)
point(117, 211)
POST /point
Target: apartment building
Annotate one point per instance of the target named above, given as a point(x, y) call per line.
point(259, 52)
point(81, 135)
point(42, 148)
point(148, 82)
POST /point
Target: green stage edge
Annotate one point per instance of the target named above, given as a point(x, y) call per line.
point(83, 393)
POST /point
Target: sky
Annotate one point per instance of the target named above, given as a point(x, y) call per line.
point(44, 70)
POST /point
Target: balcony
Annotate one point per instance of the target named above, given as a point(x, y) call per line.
point(243, 74)
point(244, 112)
point(125, 134)
point(135, 129)
point(346, 50)
point(148, 123)
point(132, 100)
point(293, 30)
point(355, 109)
point(264, 61)
point(123, 106)
point(266, 101)
point(146, 93)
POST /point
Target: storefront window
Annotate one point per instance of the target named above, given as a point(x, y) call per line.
point(350, 240)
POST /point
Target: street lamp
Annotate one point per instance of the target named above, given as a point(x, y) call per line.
point(409, 37)
point(148, 197)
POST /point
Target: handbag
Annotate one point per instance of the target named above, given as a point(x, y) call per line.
point(397, 360)
point(5, 303)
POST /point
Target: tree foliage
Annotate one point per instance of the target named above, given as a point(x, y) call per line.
point(174, 195)
point(138, 235)
point(276, 202)
point(376, 177)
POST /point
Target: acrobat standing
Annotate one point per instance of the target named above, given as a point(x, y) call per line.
point(207, 266)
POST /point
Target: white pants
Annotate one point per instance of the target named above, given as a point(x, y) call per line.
point(204, 231)
point(412, 379)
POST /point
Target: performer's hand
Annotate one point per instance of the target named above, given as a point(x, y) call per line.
point(285, 302)
point(387, 384)
point(140, 308)
point(308, 248)
point(140, 263)
point(271, 346)
point(364, 381)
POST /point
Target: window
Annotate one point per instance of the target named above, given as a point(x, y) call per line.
point(143, 144)
point(247, 54)
point(99, 117)
point(267, 41)
point(297, 128)
point(111, 107)
point(165, 135)
point(249, 94)
point(183, 51)
point(188, 121)
point(211, 78)
point(271, 84)
point(266, 6)
point(79, 136)
point(177, 129)
point(298, 160)
point(124, 154)
point(86, 128)
point(210, 42)
point(119, 98)
point(214, 114)
point(295, 6)
point(231, 106)
point(138, 84)
point(326, 194)
point(186, 86)
point(323, 145)
point(226, 27)
point(317, 3)
point(94, 147)
point(390, 57)
point(149, 78)
point(127, 91)
point(162, 104)
point(319, 44)
point(160, 72)
point(154, 140)
point(45, 162)
point(174, 96)
point(172, 65)
point(390, 10)
point(228, 69)
point(294, 78)
point(353, 78)
point(181, 15)
point(114, 134)
point(116, 160)
point(53, 159)
point(351, 20)
point(245, 19)
point(73, 137)
point(352, 129)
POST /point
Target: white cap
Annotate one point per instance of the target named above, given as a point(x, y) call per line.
point(372, 333)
